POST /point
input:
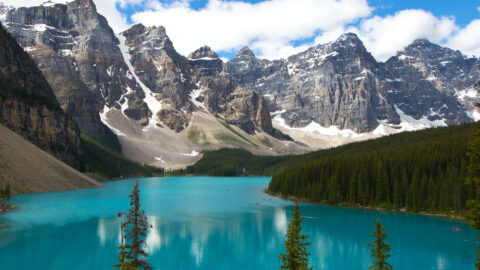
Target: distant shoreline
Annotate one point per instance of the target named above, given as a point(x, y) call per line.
point(358, 206)
point(5, 208)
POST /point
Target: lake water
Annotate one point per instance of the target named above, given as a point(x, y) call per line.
point(215, 223)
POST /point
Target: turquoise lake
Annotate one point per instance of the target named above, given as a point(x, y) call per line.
point(217, 223)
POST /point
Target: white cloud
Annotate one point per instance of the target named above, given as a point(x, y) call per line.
point(105, 7)
point(467, 40)
point(269, 27)
point(384, 36)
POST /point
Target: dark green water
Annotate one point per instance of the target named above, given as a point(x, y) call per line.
point(215, 223)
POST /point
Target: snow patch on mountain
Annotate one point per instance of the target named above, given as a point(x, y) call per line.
point(104, 119)
point(192, 154)
point(409, 123)
point(316, 128)
point(466, 93)
point(153, 104)
point(194, 94)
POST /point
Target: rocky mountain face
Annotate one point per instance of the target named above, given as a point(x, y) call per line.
point(149, 95)
point(141, 74)
point(429, 80)
point(134, 82)
point(182, 85)
point(28, 105)
point(340, 84)
point(75, 42)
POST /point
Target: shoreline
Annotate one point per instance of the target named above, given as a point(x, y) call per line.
point(358, 206)
point(5, 208)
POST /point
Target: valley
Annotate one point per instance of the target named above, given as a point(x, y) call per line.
point(135, 85)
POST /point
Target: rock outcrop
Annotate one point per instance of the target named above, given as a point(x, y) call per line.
point(172, 79)
point(426, 79)
point(28, 105)
point(75, 40)
point(205, 62)
point(340, 84)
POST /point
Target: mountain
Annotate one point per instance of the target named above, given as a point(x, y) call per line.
point(141, 88)
point(76, 50)
point(440, 78)
point(339, 89)
point(29, 107)
point(166, 108)
point(30, 110)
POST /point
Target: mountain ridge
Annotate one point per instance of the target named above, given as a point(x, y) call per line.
point(328, 95)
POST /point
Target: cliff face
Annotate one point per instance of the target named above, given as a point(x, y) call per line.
point(141, 74)
point(236, 105)
point(75, 40)
point(134, 82)
point(28, 105)
point(433, 81)
point(81, 105)
point(340, 84)
point(180, 84)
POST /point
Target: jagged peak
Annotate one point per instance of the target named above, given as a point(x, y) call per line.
point(422, 44)
point(350, 40)
point(421, 41)
point(139, 29)
point(83, 4)
point(158, 30)
point(203, 52)
point(424, 49)
point(348, 36)
point(245, 51)
point(134, 30)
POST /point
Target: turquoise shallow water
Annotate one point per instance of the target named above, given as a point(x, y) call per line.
point(215, 223)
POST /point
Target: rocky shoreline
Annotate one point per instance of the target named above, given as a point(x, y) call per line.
point(453, 216)
point(4, 208)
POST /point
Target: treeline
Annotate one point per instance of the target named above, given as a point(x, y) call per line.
point(99, 159)
point(233, 162)
point(420, 171)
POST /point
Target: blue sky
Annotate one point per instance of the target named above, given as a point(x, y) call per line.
point(279, 28)
point(460, 13)
point(464, 10)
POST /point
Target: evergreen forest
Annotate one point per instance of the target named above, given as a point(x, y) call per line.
point(415, 171)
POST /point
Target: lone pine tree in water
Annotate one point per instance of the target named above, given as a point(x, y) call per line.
point(134, 231)
point(380, 249)
point(297, 255)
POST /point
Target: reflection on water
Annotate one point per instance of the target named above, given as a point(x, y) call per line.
point(153, 240)
point(280, 220)
point(204, 223)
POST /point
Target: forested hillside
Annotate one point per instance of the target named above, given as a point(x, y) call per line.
point(102, 160)
point(419, 171)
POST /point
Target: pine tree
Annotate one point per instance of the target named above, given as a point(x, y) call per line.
point(134, 231)
point(380, 249)
point(474, 178)
point(297, 255)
